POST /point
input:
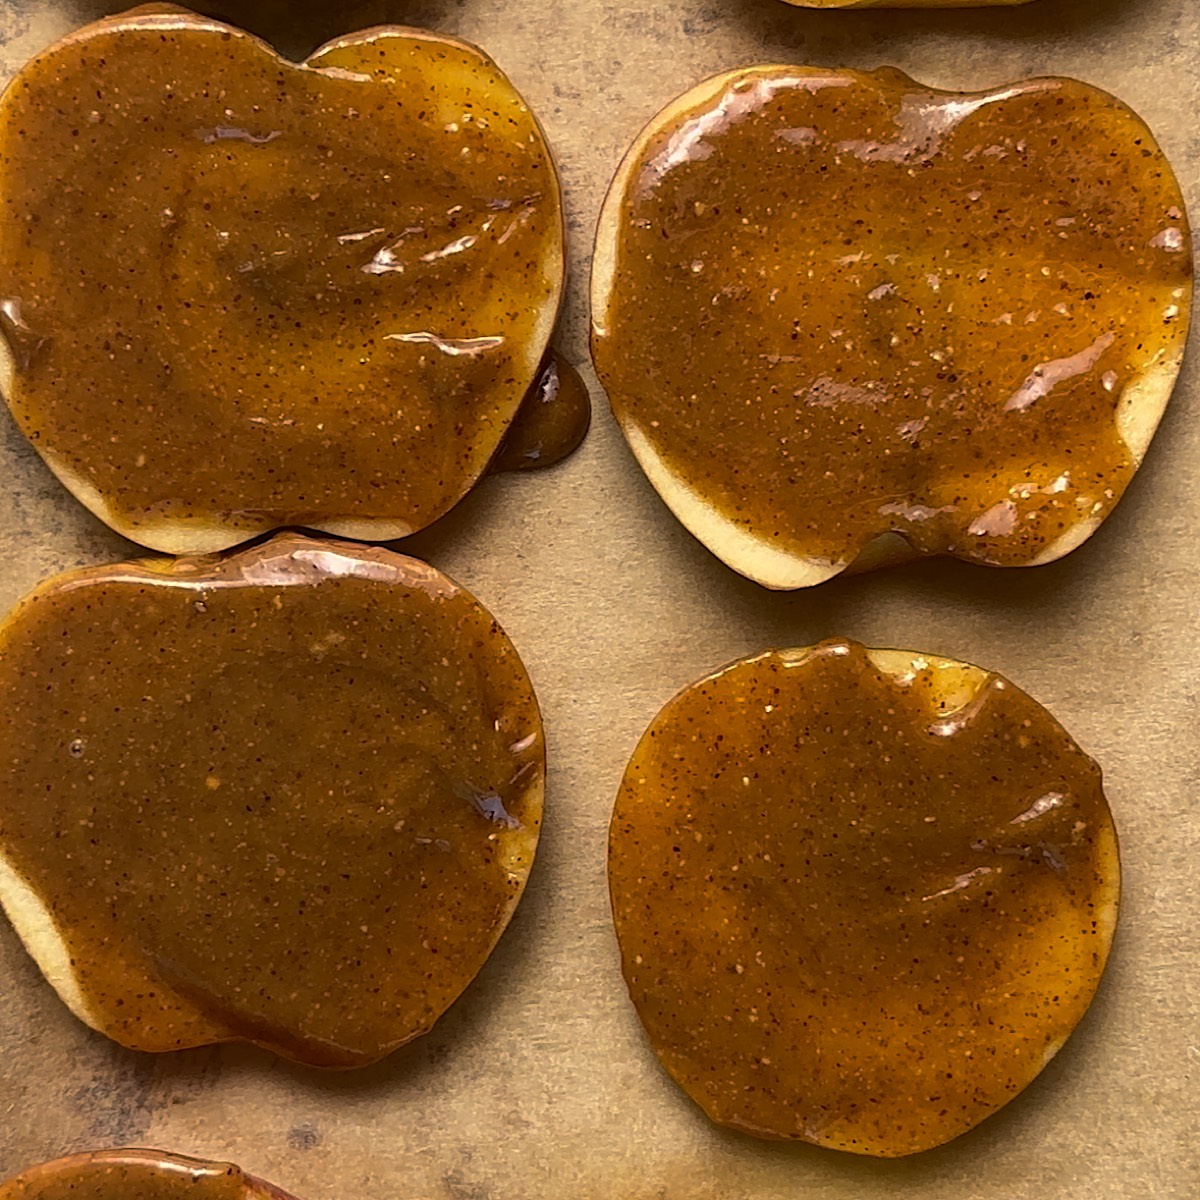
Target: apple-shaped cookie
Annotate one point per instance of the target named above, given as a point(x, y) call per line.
point(137, 1175)
point(862, 896)
point(290, 796)
point(240, 293)
point(842, 317)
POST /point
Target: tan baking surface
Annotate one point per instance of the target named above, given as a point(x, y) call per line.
point(538, 1085)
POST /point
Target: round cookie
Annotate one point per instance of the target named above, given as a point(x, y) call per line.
point(843, 318)
point(242, 293)
point(290, 796)
point(862, 896)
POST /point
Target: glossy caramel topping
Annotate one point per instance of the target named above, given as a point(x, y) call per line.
point(832, 305)
point(290, 796)
point(551, 423)
point(861, 896)
point(242, 293)
point(136, 1175)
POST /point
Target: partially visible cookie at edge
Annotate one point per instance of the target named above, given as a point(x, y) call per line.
point(144, 1174)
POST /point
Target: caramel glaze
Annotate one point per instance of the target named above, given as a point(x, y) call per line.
point(243, 293)
point(845, 304)
point(551, 423)
point(851, 912)
point(141, 1174)
point(290, 796)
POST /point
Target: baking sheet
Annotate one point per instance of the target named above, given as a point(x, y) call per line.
point(538, 1084)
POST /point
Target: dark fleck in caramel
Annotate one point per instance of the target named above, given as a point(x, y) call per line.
point(290, 796)
point(551, 423)
point(136, 1175)
point(241, 293)
point(838, 305)
point(861, 896)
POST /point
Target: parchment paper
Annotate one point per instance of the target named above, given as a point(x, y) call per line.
point(539, 1085)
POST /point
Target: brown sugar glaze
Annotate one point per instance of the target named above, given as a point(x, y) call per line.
point(845, 304)
point(850, 915)
point(290, 796)
point(551, 423)
point(246, 293)
point(136, 1175)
